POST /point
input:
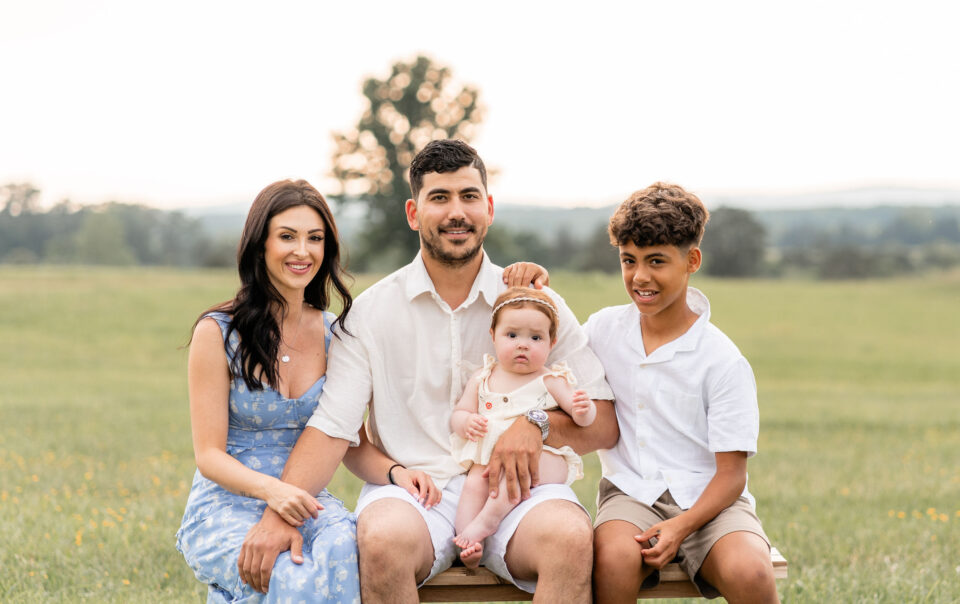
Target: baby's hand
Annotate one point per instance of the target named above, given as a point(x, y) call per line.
point(475, 427)
point(582, 408)
point(292, 503)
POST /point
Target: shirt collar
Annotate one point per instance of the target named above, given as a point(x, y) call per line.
point(699, 304)
point(486, 284)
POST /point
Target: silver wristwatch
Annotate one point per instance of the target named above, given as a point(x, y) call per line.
point(540, 419)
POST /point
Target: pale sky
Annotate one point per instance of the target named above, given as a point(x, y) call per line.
point(186, 103)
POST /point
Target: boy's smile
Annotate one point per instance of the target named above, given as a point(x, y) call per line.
point(656, 276)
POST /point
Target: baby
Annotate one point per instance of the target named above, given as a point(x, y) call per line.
point(515, 384)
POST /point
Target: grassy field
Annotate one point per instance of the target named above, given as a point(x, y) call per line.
point(857, 479)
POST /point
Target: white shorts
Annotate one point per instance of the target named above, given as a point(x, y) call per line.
point(440, 518)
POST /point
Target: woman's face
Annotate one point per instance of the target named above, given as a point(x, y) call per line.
point(293, 251)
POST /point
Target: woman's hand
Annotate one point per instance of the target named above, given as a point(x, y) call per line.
point(474, 427)
point(291, 503)
point(419, 484)
point(524, 273)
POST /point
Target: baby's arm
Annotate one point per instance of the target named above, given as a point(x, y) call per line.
point(575, 403)
point(465, 421)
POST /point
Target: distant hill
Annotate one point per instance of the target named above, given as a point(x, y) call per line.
point(866, 210)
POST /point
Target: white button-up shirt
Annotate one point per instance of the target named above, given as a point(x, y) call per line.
point(691, 398)
point(410, 356)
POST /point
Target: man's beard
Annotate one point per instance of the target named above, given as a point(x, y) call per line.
point(461, 255)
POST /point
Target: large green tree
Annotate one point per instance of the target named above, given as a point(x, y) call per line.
point(734, 244)
point(418, 102)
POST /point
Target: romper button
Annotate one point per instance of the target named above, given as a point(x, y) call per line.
point(506, 400)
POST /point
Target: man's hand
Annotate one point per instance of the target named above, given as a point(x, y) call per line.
point(524, 273)
point(516, 459)
point(265, 541)
point(419, 484)
point(669, 535)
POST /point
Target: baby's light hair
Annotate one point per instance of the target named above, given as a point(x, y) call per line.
point(525, 297)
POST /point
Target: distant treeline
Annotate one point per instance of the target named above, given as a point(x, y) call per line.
point(858, 244)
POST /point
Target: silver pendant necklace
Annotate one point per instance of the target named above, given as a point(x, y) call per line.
point(286, 358)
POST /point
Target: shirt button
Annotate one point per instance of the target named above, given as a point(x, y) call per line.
point(641, 444)
point(640, 406)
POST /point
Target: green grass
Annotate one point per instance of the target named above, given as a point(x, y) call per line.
point(857, 479)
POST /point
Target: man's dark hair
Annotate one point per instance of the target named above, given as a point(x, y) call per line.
point(446, 155)
point(661, 214)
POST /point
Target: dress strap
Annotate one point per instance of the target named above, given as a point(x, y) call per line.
point(329, 319)
point(562, 370)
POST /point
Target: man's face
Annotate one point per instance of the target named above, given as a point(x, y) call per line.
point(452, 213)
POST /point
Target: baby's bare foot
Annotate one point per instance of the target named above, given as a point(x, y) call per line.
point(470, 554)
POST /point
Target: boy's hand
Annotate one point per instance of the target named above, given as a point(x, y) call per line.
point(669, 536)
point(292, 503)
point(474, 427)
point(582, 406)
point(419, 484)
point(522, 274)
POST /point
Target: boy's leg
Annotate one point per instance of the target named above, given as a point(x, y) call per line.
point(390, 521)
point(730, 556)
point(739, 566)
point(618, 569)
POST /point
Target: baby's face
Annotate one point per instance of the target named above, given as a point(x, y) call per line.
point(522, 339)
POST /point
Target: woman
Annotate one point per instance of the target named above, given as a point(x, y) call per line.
point(256, 371)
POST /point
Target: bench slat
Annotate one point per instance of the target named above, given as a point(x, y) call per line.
point(459, 584)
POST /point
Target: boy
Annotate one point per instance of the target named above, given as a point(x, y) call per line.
point(675, 483)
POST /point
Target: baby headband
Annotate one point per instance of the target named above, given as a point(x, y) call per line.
point(525, 299)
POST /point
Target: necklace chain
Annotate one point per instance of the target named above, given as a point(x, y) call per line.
point(296, 335)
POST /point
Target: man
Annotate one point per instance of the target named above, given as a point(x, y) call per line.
point(415, 338)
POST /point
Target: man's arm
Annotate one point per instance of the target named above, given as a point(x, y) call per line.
point(318, 451)
point(311, 465)
point(516, 456)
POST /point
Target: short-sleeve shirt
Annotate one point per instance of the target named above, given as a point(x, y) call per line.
point(689, 399)
point(410, 356)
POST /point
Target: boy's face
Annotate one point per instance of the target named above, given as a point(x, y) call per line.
point(656, 277)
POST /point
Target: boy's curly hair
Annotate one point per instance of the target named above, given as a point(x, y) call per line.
point(661, 214)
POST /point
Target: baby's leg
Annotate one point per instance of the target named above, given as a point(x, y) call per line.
point(472, 498)
point(553, 468)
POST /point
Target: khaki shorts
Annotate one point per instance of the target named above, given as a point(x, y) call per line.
point(614, 504)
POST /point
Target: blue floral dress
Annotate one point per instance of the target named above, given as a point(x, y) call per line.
point(263, 427)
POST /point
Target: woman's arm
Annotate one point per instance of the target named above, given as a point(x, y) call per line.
point(208, 380)
point(372, 465)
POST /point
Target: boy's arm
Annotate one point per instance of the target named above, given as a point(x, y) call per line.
point(722, 490)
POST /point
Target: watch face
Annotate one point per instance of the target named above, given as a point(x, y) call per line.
point(537, 415)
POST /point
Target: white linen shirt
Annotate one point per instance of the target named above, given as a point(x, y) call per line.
point(690, 398)
point(409, 357)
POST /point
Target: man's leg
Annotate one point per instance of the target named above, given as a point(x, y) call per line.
point(618, 569)
point(739, 566)
point(396, 551)
point(553, 545)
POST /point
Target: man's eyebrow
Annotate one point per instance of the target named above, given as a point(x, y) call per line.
point(437, 190)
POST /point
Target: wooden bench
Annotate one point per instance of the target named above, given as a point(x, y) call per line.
point(459, 584)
